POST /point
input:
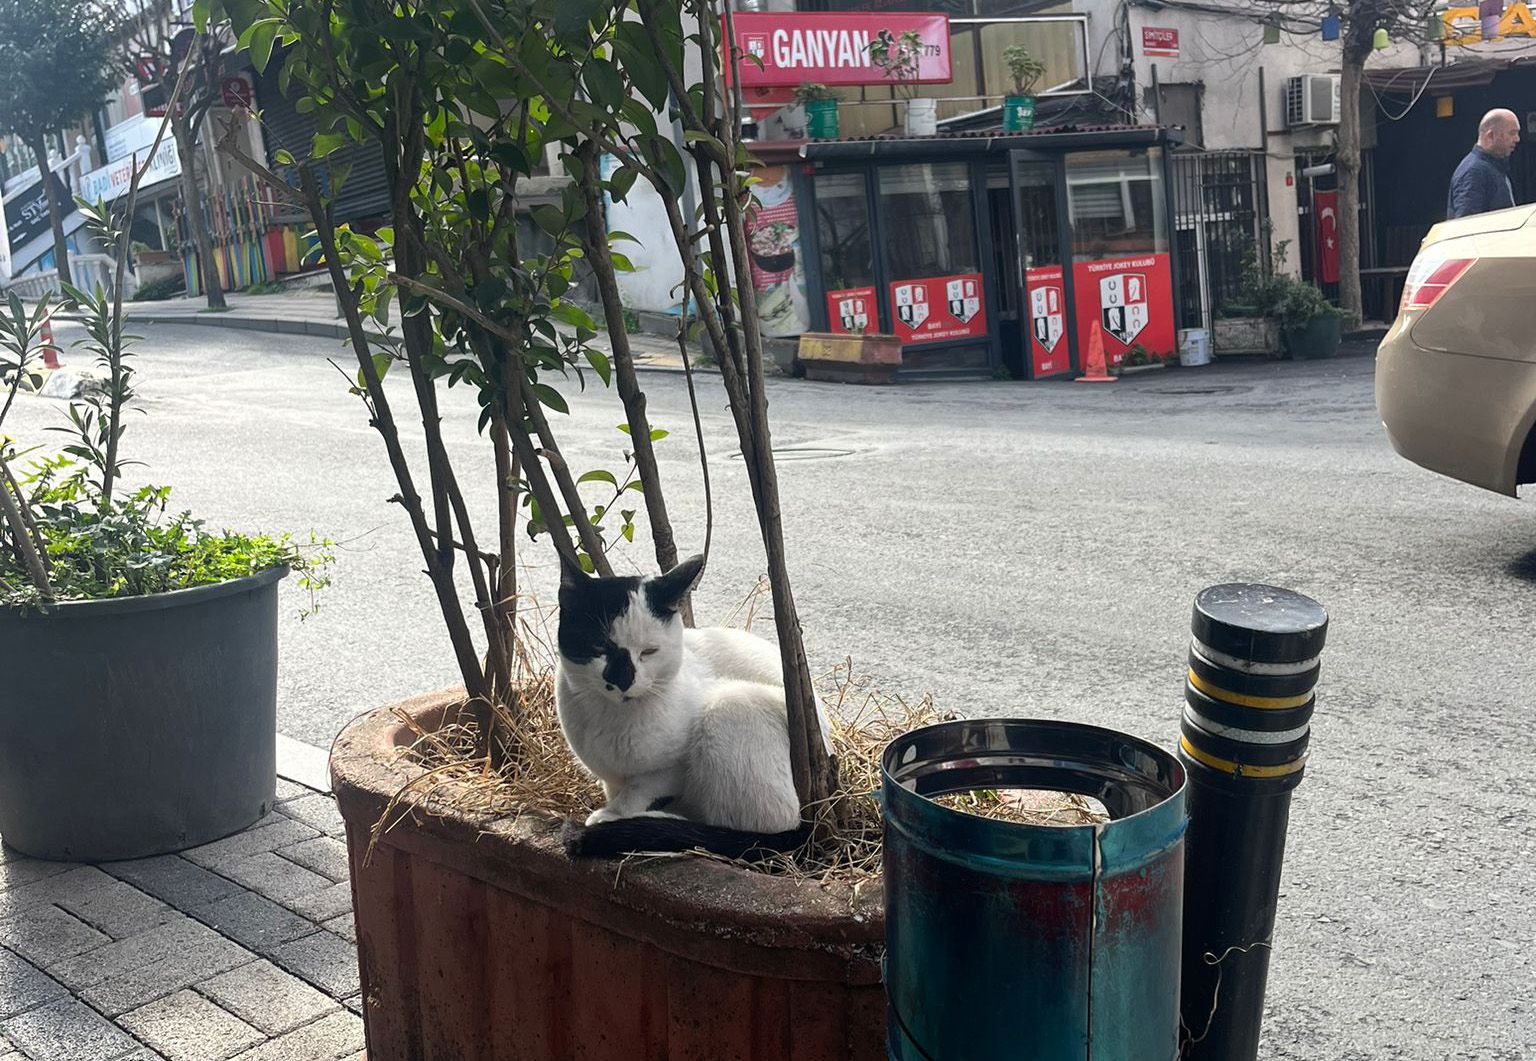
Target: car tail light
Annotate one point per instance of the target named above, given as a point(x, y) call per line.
point(1430, 278)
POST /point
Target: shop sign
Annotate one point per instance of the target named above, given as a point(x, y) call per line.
point(1159, 42)
point(5, 240)
point(939, 309)
point(852, 311)
point(787, 49)
point(1490, 20)
point(26, 213)
point(236, 91)
point(1130, 301)
point(112, 180)
point(1047, 321)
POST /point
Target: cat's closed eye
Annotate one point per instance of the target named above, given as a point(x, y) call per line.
point(649, 652)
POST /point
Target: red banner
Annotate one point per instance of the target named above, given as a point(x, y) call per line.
point(1326, 206)
point(784, 50)
point(853, 311)
point(939, 309)
point(1130, 301)
point(1047, 321)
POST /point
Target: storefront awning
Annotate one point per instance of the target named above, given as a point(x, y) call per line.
point(1412, 81)
point(986, 142)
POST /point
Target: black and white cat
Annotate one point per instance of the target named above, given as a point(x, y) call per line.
point(685, 728)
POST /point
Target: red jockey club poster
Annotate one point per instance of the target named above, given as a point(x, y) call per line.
point(853, 311)
point(1047, 321)
point(939, 309)
point(1130, 301)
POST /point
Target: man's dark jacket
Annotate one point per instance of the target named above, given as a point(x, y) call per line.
point(1481, 184)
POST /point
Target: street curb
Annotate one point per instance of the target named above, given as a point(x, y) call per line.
point(303, 764)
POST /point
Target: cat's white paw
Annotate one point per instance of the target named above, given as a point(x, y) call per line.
point(603, 814)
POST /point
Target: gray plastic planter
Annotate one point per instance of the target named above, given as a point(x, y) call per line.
point(141, 725)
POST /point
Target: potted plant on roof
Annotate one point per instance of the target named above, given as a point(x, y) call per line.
point(138, 705)
point(820, 107)
point(900, 58)
point(1026, 71)
point(478, 935)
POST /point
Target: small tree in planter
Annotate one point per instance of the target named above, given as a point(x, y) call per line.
point(1026, 71)
point(462, 97)
point(900, 58)
point(139, 709)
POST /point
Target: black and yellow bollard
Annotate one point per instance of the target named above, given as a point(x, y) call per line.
point(1253, 664)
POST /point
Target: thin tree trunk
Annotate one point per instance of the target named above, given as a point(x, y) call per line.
point(1347, 166)
point(815, 770)
point(506, 520)
point(11, 509)
point(599, 258)
point(470, 666)
point(56, 212)
point(192, 198)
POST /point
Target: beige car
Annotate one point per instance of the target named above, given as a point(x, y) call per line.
point(1456, 375)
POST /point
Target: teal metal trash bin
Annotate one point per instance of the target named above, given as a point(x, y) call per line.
point(1014, 942)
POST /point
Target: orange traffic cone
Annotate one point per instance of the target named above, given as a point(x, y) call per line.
point(50, 350)
point(1097, 372)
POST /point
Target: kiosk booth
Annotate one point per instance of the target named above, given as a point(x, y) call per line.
point(988, 252)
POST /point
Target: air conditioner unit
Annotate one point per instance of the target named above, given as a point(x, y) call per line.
point(1312, 99)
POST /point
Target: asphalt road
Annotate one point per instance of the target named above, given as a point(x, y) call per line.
point(1022, 550)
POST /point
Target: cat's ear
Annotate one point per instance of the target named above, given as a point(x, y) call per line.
point(572, 574)
point(667, 591)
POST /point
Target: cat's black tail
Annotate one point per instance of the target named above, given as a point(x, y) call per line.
point(651, 834)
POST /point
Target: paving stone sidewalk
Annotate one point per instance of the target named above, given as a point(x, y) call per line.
point(242, 949)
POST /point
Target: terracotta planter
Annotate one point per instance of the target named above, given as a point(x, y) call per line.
point(482, 942)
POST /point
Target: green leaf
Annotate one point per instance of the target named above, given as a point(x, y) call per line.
point(604, 84)
point(622, 427)
point(601, 365)
point(326, 143)
point(260, 38)
point(628, 531)
point(547, 395)
point(478, 203)
point(598, 475)
point(657, 434)
point(549, 218)
point(621, 182)
point(621, 262)
point(639, 60)
point(283, 157)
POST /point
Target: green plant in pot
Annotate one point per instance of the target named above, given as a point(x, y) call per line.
point(900, 58)
point(138, 706)
point(478, 94)
point(1309, 323)
point(820, 107)
point(1026, 71)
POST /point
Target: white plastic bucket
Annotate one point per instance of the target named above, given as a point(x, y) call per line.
point(922, 117)
point(1194, 347)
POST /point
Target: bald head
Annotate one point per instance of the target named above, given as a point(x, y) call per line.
point(1498, 133)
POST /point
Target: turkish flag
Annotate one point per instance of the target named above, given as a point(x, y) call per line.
point(1326, 206)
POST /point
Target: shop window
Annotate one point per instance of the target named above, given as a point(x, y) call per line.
point(1117, 204)
point(842, 231)
point(928, 219)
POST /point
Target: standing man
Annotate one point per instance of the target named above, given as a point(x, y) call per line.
point(1481, 182)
